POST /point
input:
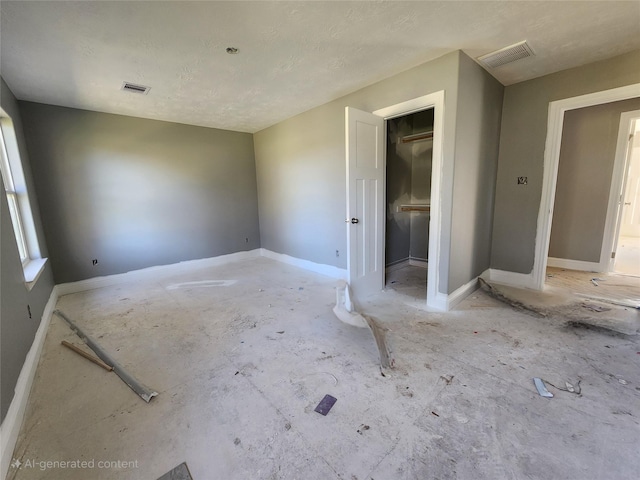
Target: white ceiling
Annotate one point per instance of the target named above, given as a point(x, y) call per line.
point(293, 55)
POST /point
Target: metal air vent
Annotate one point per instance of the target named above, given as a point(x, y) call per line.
point(133, 88)
point(506, 55)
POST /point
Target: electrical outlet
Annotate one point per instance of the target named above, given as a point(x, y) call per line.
point(337, 253)
point(522, 180)
point(246, 240)
point(94, 262)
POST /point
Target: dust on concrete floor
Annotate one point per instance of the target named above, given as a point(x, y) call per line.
point(240, 368)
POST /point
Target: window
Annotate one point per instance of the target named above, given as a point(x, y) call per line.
point(18, 200)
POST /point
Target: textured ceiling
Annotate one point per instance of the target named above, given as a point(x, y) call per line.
point(292, 57)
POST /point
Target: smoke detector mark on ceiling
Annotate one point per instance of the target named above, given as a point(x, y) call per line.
point(133, 88)
point(506, 55)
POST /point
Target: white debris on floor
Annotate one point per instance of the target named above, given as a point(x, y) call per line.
point(241, 365)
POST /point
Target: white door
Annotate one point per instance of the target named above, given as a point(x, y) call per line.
point(365, 201)
point(630, 225)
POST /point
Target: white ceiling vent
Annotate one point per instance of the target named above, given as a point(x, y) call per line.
point(506, 55)
point(133, 88)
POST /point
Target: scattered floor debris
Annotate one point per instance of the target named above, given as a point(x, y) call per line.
point(280, 332)
point(595, 308)
point(181, 472)
point(622, 381)
point(362, 428)
point(568, 387)
point(86, 355)
point(142, 390)
point(542, 390)
point(237, 441)
point(346, 312)
point(593, 280)
point(287, 426)
point(497, 294)
point(344, 308)
point(623, 303)
point(447, 378)
point(326, 404)
point(434, 413)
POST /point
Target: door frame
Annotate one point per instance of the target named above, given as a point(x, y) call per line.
point(555, 124)
point(435, 299)
point(618, 186)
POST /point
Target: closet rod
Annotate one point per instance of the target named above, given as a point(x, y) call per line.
point(417, 136)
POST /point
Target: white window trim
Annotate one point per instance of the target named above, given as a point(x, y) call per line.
point(19, 205)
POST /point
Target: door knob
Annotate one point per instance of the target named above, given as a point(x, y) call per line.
point(355, 220)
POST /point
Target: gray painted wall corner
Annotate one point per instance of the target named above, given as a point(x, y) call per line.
point(134, 193)
point(477, 135)
point(17, 330)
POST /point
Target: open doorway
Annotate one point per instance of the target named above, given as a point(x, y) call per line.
point(409, 155)
point(626, 258)
point(588, 202)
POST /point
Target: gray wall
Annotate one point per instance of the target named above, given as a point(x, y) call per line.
point(522, 143)
point(585, 169)
point(476, 140)
point(17, 330)
point(135, 193)
point(301, 168)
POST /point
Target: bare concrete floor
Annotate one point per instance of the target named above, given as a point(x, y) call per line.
point(240, 368)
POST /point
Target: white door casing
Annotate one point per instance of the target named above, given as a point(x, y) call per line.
point(365, 201)
point(435, 299)
point(555, 123)
point(630, 224)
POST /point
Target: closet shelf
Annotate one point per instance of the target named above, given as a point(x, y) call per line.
point(418, 207)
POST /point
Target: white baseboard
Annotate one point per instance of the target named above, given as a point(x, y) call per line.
point(152, 273)
point(458, 295)
point(574, 264)
point(328, 270)
point(418, 262)
point(397, 265)
point(444, 302)
point(513, 279)
point(10, 427)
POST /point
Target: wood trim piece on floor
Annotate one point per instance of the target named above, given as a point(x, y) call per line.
point(574, 264)
point(15, 415)
point(151, 273)
point(323, 269)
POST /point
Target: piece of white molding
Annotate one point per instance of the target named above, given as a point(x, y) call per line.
point(459, 294)
point(12, 423)
point(321, 268)
point(152, 273)
point(438, 302)
point(574, 264)
point(512, 279)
